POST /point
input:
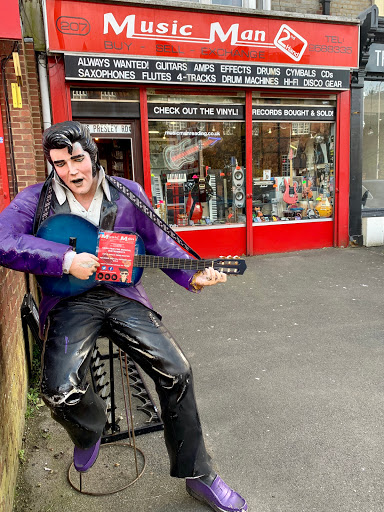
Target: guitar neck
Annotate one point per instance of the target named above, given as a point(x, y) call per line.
point(201, 164)
point(148, 261)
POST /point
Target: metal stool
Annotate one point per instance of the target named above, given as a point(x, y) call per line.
point(88, 481)
point(132, 388)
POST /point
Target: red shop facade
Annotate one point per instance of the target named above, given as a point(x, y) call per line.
point(237, 125)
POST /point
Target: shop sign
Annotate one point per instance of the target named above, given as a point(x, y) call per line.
point(375, 62)
point(197, 112)
point(10, 27)
point(109, 129)
point(102, 28)
point(293, 113)
point(125, 69)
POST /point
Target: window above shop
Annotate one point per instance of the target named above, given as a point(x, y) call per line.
point(78, 94)
point(258, 98)
point(101, 103)
point(250, 4)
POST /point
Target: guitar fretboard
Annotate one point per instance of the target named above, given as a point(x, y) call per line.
point(148, 261)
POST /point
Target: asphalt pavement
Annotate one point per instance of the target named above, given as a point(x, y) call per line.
point(288, 369)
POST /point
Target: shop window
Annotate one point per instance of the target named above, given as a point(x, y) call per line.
point(198, 175)
point(293, 171)
point(104, 94)
point(236, 3)
point(197, 154)
point(233, 3)
point(109, 95)
point(197, 172)
point(372, 195)
point(79, 95)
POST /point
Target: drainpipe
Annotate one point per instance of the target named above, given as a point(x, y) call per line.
point(44, 95)
point(44, 90)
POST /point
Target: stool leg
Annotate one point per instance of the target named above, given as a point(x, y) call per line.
point(128, 407)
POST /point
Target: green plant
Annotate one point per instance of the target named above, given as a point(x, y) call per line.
point(36, 364)
point(33, 402)
point(33, 399)
point(22, 457)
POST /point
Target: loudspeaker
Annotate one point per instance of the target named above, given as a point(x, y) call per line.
point(238, 180)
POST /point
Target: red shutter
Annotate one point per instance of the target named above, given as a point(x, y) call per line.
point(4, 187)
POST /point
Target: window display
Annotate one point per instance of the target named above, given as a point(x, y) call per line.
point(293, 171)
point(197, 154)
point(197, 171)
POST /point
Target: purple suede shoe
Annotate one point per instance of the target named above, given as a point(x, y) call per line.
point(218, 496)
point(84, 459)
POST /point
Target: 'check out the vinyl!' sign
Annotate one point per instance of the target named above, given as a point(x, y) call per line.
point(128, 30)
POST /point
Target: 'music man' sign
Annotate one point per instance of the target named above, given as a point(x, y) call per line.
point(100, 28)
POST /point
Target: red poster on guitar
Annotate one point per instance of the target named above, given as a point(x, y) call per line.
point(116, 253)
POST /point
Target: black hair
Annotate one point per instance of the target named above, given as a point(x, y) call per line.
point(64, 135)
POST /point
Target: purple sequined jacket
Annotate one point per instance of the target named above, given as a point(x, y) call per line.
point(22, 251)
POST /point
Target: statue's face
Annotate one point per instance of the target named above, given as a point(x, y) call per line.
point(75, 170)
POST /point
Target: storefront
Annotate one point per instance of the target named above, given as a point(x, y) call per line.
point(236, 126)
point(367, 154)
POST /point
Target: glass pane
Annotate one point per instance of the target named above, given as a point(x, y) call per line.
point(373, 147)
point(293, 170)
point(197, 171)
point(257, 99)
point(217, 98)
point(104, 94)
point(235, 3)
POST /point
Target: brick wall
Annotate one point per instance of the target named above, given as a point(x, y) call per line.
point(337, 7)
point(26, 131)
point(351, 8)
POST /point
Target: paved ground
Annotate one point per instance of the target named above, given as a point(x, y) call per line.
point(288, 365)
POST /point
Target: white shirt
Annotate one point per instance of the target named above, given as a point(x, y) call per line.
point(63, 193)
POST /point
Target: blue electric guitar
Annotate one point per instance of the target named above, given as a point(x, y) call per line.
point(73, 230)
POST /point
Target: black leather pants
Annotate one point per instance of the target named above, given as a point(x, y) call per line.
point(75, 324)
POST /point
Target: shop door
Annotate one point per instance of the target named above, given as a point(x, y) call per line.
point(119, 146)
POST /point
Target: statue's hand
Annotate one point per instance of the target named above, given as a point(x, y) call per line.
point(84, 265)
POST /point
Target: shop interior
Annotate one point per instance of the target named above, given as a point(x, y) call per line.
point(116, 156)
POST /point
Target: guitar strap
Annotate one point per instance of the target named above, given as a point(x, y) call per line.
point(45, 201)
point(139, 203)
point(44, 204)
